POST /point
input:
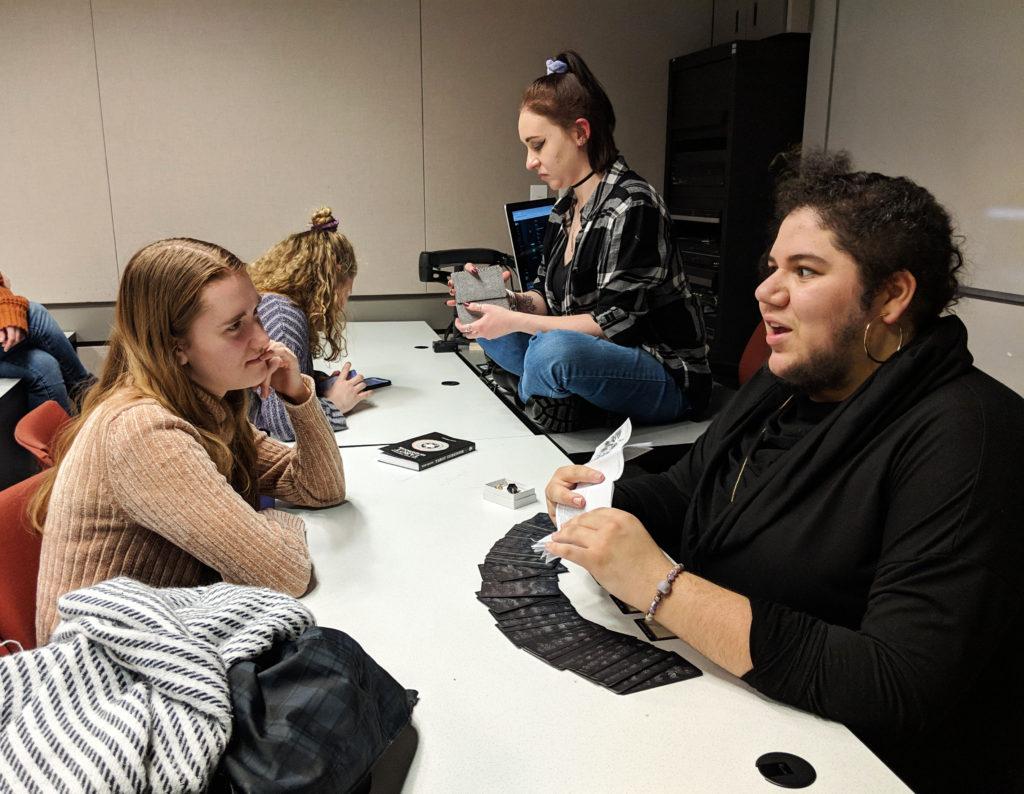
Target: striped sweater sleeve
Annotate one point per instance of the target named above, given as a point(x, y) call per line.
point(284, 322)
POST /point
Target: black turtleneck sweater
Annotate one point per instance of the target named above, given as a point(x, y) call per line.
point(880, 541)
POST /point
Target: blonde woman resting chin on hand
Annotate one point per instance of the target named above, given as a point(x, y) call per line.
point(305, 282)
point(159, 477)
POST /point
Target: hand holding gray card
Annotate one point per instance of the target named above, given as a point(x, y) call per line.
point(487, 286)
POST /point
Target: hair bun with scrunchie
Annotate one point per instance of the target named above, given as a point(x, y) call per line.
point(323, 220)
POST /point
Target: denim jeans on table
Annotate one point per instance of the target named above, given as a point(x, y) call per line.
point(621, 380)
point(45, 360)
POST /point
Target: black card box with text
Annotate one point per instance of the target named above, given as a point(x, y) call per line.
point(424, 451)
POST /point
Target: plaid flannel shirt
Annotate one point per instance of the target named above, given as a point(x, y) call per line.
point(626, 273)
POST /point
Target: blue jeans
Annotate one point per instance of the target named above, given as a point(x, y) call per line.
point(45, 360)
point(621, 380)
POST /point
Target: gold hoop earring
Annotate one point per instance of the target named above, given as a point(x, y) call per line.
point(867, 331)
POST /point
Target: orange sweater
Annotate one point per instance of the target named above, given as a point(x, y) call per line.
point(137, 495)
point(13, 310)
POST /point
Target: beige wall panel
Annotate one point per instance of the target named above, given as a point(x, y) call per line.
point(478, 58)
point(231, 120)
point(995, 335)
point(819, 73)
point(429, 308)
point(935, 91)
point(56, 241)
point(91, 322)
point(932, 91)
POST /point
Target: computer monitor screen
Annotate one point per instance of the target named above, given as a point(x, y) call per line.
point(526, 223)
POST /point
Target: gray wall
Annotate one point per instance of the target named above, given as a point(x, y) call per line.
point(124, 121)
point(934, 91)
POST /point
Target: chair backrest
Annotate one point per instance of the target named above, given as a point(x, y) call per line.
point(35, 431)
point(755, 354)
point(19, 565)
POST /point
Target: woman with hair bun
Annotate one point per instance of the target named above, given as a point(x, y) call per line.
point(159, 477)
point(610, 323)
point(305, 281)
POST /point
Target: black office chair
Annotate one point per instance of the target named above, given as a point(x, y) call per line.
point(437, 266)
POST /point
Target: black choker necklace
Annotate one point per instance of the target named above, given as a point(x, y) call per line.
point(582, 180)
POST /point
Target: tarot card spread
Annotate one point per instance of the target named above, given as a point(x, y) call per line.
point(523, 595)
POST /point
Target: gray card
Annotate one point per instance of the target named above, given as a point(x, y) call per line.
point(486, 287)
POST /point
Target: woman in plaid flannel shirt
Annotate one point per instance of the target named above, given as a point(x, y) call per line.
point(610, 328)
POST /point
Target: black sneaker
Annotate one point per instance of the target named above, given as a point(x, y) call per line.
point(558, 415)
point(505, 379)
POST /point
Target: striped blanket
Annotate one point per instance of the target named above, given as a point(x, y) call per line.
point(131, 693)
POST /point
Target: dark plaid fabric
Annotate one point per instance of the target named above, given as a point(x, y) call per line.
point(627, 274)
point(312, 713)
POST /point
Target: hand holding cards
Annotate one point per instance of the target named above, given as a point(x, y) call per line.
point(486, 286)
point(609, 460)
point(523, 594)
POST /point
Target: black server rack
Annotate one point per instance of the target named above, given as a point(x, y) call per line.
point(731, 110)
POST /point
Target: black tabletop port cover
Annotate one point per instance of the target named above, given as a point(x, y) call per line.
point(786, 770)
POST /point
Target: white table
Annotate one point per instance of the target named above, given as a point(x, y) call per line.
point(417, 401)
point(15, 463)
point(7, 385)
point(643, 435)
point(397, 570)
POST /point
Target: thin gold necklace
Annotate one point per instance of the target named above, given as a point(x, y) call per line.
point(570, 244)
point(754, 446)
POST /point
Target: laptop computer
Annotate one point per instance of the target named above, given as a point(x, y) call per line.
point(527, 221)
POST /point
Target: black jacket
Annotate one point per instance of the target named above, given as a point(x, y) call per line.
point(882, 554)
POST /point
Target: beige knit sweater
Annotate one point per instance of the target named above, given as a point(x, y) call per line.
point(137, 495)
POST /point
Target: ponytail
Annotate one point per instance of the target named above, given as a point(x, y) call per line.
point(572, 93)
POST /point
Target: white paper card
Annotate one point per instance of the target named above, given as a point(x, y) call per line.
point(607, 459)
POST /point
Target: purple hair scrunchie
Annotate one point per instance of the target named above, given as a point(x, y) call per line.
point(557, 67)
point(328, 226)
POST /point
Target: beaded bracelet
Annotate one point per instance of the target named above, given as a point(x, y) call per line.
point(664, 588)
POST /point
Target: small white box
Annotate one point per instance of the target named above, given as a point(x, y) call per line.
point(498, 493)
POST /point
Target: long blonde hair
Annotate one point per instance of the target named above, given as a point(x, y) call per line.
point(158, 299)
point(308, 268)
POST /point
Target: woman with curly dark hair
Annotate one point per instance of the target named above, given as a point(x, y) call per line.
point(847, 531)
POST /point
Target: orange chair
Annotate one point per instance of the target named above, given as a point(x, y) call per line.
point(755, 354)
point(19, 566)
point(35, 431)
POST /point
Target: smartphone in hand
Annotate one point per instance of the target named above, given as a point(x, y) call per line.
point(324, 385)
